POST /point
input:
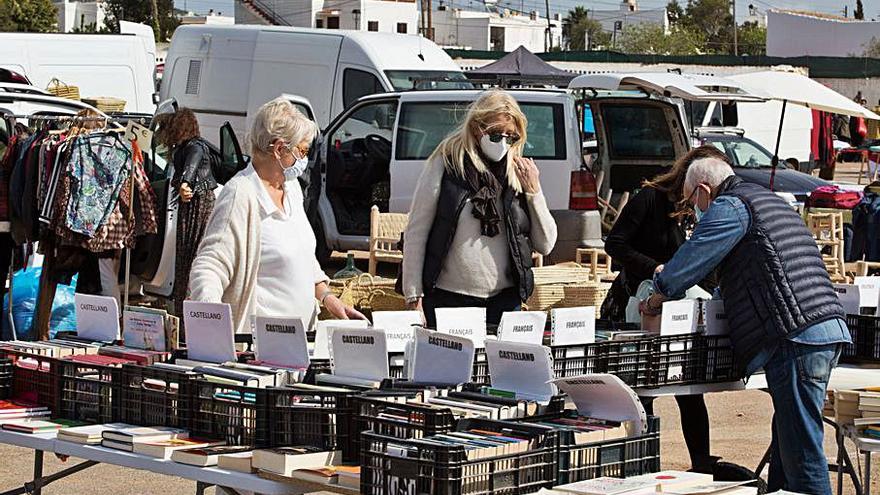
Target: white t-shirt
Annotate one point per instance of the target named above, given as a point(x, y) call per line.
point(288, 268)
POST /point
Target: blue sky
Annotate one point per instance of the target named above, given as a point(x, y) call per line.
point(826, 6)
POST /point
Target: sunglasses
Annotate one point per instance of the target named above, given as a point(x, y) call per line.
point(297, 152)
point(496, 137)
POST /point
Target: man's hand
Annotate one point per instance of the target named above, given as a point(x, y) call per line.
point(658, 269)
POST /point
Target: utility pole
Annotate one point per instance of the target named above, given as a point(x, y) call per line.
point(735, 34)
point(430, 21)
point(155, 6)
point(548, 42)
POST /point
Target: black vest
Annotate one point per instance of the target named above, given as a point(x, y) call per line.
point(454, 193)
point(773, 282)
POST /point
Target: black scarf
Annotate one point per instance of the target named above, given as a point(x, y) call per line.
point(485, 189)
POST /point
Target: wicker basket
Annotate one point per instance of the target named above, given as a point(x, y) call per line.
point(549, 296)
point(106, 104)
point(387, 300)
point(63, 90)
point(359, 291)
point(562, 274)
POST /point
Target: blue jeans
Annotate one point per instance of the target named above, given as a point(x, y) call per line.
point(797, 376)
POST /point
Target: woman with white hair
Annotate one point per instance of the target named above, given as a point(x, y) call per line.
point(477, 214)
point(258, 253)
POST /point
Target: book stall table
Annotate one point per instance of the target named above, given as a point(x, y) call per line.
point(204, 477)
point(865, 447)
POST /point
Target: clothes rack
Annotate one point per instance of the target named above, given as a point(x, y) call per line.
point(47, 288)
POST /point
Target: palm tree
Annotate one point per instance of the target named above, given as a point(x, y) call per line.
point(575, 17)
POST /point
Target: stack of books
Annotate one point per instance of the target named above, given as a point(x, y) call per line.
point(31, 426)
point(249, 375)
point(589, 430)
point(473, 405)
point(89, 434)
point(241, 462)
point(284, 461)
point(126, 438)
point(138, 356)
point(478, 444)
point(12, 410)
point(98, 360)
point(846, 406)
point(58, 348)
point(233, 457)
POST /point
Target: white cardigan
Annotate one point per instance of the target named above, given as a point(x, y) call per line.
point(225, 269)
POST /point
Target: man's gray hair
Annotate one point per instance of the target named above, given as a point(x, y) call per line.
point(709, 171)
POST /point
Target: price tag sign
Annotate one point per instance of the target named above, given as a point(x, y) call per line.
point(716, 318)
point(281, 341)
point(209, 332)
point(526, 327)
point(679, 317)
point(572, 326)
point(398, 327)
point(850, 297)
point(142, 135)
point(97, 317)
point(463, 322)
point(359, 353)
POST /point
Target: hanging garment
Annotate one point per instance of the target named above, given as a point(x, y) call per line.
point(97, 171)
point(191, 222)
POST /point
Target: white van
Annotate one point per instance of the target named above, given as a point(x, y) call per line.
point(118, 65)
point(224, 73)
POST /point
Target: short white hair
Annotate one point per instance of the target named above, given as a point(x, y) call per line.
point(709, 171)
point(279, 119)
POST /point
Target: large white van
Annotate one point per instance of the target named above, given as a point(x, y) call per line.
point(118, 65)
point(224, 73)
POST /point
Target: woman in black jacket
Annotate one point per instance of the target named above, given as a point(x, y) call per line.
point(647, 234)
point(194, 180)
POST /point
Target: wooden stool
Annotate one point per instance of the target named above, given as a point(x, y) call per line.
point(599, 262)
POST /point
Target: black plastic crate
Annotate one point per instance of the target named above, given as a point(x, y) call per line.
point(317, 367)
point(5, 378)
point(34, 378)
point(88, 392)
point(441, 470)
point(865, 333)
point(235, 414)
point(678, 360)
point(574, 360)
point(316, 418)
point(153, 396)
point(619, 458)
point(720, 363)
point(630, 360)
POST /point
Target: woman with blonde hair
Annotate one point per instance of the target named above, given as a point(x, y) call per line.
point(477, 214)
point(258, 253)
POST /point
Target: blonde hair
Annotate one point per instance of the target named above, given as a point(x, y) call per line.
point(279, 119)
point(465, 140)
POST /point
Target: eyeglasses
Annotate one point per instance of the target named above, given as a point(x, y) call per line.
point(303, 152)
point(496, 137)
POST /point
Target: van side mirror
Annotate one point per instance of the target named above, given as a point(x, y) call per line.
point(155, 98)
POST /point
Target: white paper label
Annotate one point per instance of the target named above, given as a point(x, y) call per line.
point(357, 353)
point(869, 291)
point(716, 318)
point(603, 396)
point(97, 317)
point(463, 322)
point(209, 332)
point(281, 341)
point(139, 133)
point(322, 334)
point(572, 326)
point(679, 317)
point(398, 327)
point(526, 327)
point(850, 297)
point(441, 358)
point(143, 330)
point(525, 369)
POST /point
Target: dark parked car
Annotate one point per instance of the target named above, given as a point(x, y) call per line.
point(752, 162)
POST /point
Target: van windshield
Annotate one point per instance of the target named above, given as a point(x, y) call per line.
point(422, 125)
point(407, 80)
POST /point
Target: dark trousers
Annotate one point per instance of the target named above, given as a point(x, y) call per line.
point(506, 300)
point(694, 427)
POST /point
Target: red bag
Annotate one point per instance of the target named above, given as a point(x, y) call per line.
point(834, 197)
point(862, 129)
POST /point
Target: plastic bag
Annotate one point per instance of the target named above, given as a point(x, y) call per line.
point(25, 289)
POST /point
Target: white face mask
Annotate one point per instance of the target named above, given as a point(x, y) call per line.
point(296, 169)
point(493, 151)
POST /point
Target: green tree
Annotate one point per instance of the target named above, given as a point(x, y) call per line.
point(712, 18)
point(872, 48)
point(28, 16)
point(674, 12)
point(142, 12)
point(649, 39)
point(578, 27)
point(752, 39)
point(860, 11)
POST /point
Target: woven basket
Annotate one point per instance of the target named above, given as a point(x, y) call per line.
point(106, 104)
point(63, 90)
point(562, 274)
point(387, 300)
point(359, 291)
point(549, 296)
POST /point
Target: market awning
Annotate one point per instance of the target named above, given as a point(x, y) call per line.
point(670, 84)
point(521, 66)
point(801, 90)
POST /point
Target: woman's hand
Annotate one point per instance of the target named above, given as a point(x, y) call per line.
point(186, 193)
point(527, 172)
point(417, 306)
point(341, 311)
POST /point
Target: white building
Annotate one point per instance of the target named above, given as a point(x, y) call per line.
point(795, 34)
point(494, 31)
point(388, 16)
point(210, 18)
point(629, 14)
point(80, 15)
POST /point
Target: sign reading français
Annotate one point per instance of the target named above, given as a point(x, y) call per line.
point(679, 317)
point(463, 322)
point(526, 327)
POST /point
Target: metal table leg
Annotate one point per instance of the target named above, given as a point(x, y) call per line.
point(35, 486)
point(841, 448)
point(38, 473)
point(867, 478)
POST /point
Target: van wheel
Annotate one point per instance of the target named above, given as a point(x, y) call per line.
point(322, 251)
